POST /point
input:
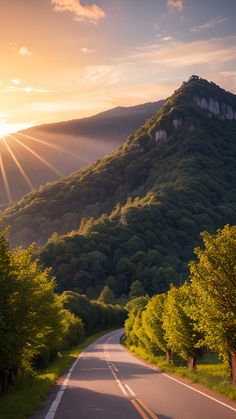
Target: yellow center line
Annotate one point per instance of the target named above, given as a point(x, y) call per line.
point(138, 408)
point(138, 404)
point(147, 409)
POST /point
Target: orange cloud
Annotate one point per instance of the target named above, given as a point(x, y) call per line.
point(24, 52)
point(175, 5)
point(92, 13)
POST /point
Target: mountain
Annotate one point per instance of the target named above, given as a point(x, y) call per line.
point(149, 199)
point(45, 153)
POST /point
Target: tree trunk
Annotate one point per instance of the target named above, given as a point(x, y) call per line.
point(168, 356)
point(233, 368)
point(192, 362)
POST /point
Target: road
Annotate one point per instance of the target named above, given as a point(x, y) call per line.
point(108, 382)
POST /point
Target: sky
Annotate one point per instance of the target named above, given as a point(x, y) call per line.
point(65, 59)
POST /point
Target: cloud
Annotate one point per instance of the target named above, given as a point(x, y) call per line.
point(86, 50)
point(102, 74)
point(24, 52)
point(175, 5)
point(210, 24)
point(167, 38)
point(16, 81)
point(92, 13)
point(27, 89)
point(182, 54)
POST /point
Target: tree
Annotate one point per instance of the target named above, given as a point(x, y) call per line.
point(152, 322)
point(137, 289)
point(135, 308)
point(180, 332)
point(213, 279)
point(107, 296)
point(30, 311)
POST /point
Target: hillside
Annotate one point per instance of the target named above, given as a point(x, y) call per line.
point(49, 152)
point(173, 178)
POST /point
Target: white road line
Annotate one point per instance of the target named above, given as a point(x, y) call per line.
point(54, 406)
point(180, 382)
point(114, 367)
point(122, 388)
point(200, 392)
point(130, 390)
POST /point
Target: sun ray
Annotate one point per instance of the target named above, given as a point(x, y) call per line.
point(18, 164)
point(56, 147)
point(5, 180)
point(44, 161)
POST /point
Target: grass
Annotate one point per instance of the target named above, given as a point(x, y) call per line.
point(30, 390)
point(210, 372)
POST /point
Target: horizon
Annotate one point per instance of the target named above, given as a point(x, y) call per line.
point(90, 58)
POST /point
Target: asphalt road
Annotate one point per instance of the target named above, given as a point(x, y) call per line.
point(108, 382)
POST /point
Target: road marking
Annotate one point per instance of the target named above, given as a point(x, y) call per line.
point(130, 390)
point(122, 388)
point(147, 409)
point(138, 404)
point(178, 381)
point(54, 406)
point(200, 392)
point(138, 408)
point(114, 367)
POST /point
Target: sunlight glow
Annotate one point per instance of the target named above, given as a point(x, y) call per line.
point(6, 129)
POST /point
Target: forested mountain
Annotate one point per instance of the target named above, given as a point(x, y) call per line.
point(49, 152)
point(150, 199)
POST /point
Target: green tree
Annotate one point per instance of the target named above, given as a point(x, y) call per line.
point(152, 322)
point(137, 289)
point(180, 332)
point(107, 296)
point(135, 308)
point(30, 311)
point(213, 278)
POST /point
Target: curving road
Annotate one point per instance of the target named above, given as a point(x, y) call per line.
point(108, 382)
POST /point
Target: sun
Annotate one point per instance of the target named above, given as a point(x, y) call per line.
point(6, 129)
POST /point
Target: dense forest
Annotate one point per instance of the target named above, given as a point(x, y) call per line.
point(137, 214)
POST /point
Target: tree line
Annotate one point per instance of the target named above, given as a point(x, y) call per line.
point(35, 322)
point(200, 314)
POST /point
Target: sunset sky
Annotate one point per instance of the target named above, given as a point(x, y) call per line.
point(64, 59)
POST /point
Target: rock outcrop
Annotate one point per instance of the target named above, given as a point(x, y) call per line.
point(222, 110)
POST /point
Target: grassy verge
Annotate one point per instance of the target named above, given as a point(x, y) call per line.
point(210, 371)
point(30, 390)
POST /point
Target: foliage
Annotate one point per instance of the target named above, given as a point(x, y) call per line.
point(213, 278)
point(196, 316)
point(33, 323)
point(133, 323)
point(95, 315)
point(180, 332)
point(152, 321)
point(136, 289)
point(107, 296)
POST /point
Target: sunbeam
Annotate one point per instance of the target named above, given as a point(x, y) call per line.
point(18, 164)
point(5, 181)
point(56, 147)
point(44, 161)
